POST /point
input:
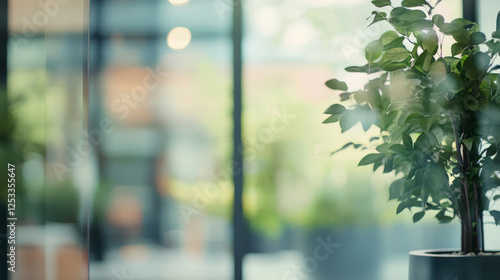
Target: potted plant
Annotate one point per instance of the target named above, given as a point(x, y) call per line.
point(439, 121)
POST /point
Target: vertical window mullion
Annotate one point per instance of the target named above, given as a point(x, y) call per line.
point(4, 140)
point(470, 10)
point(239, 228)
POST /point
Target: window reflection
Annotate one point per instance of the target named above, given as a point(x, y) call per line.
point(136, 176)
point(163, 83)
point(298, 197)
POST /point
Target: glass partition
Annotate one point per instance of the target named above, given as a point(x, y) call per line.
point(118, 142)
point(47, 92)
point(487, 15)
point(300, 199)
point(160, 128)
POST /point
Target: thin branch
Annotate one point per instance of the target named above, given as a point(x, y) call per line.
point(457, 142)
point(479, 217)
point(468, 228)
point(456, 205)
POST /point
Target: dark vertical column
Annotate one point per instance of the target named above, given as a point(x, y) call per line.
point(239, 228)
point(470, 10)
point(97, 246)
point(4, 31)
point(87, 199)
point(5, 137)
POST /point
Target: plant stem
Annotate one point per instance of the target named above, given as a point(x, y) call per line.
point(457, 141)
point(467, 224)
point(479, 218)
point(472, 222)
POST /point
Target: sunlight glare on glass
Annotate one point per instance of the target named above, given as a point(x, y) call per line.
point(178, 2)
point(179, 38)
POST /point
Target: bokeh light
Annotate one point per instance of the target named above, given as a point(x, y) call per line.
point(178, 2)
point(179, 38)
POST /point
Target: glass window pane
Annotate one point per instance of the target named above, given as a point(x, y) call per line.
point(298, 197)
point(47, 103)
point(161, 122)
point(487, 15)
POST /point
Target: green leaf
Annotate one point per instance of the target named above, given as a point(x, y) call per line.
point(438, 20)
point(370, 159)
point(395, 106)
point(496, 215)
point(471, 103)
point(476, 66)
point(461, 35)
point(437, 133)
point(388, 37)
point(426, 124)
point(399, 149)
point(477, 38)
point(388, 163)
point(344, 96)
point(436, 177)
point(423, 62)
point(456, 28)
point(336, 84)
point(407, 141)
point(332, 119)
point(413, 3)
point(396, 43)
point(404, 15)
point(496, 67)
point(379, 16)
point(381, 3)
point(396, 55)
point(373, 50)
point(420, 25)
point(396, 189)
point(418, 216)
point(407, 204)
point(383, 148)
point(498, 21)
point(422, 143)
point(442, 218)
point(496, 34)
point(363, 114)
point(356, 69)
point(453, 82)
point(446, 204)
point(355, 146)
point(335, 109)
point(410, 184)
point(429, 40)
point(492, 150)
point(456, 49)
point(494, 46)
point(347, 121)
point(438, 71)
point(393, 66)
point(468, 143)
point(461, 22)
point(377, 164)
point(402, 206)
